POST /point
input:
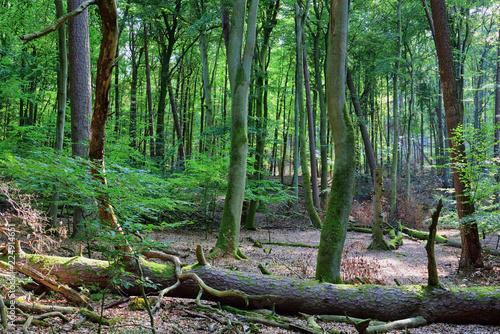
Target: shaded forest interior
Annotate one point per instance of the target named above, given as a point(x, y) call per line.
point(160, 149)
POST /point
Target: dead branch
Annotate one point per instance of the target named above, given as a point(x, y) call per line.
point(39, 308)
point(65, 291)
point(57, 23)
point(396, 325)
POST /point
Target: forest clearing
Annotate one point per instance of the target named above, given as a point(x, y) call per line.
point(249, 166)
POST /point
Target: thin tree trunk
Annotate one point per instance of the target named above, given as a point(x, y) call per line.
point(323, 117)
point(177, 125)
point(152, 146)
point(62, 84)
point(378, 241)
point(370, 156)
point(300, 16)
point(311, 132)
point(395, 111)
point(497, 115)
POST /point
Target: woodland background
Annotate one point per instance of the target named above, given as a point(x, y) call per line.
point(168, 122)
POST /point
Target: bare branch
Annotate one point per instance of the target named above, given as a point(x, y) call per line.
point(57, 23)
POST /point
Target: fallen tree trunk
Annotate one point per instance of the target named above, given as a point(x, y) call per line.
point(287, 295)
point(422, 235)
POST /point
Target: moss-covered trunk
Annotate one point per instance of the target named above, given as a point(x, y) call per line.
point(288, 295)
point(300, 15)
point(339, 204)
point(239, 65)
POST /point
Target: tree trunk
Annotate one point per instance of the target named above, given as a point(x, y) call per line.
point(497, 115)
point(288, 295)
point(323, 117)
point(395, 112)
point(80, 92)
point(239, 65)
point(378, 241)
point(152, 147)
point(339, 205)
point(62, 84)
point(107, 53)
point(471, 247)
point(261, 105)
point(311, 132)
point(135, 60)
point(370, 156)
point(167, 48)
point(300, 17)
point(177, 125)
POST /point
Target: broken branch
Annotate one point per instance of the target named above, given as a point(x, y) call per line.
point(57, 23)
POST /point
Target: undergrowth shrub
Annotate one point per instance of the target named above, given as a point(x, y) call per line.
point(411, 213)
point(355, 268)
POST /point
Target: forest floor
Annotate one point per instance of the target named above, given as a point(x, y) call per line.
point(406, 265)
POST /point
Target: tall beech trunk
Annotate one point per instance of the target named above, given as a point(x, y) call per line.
point(80, 92)
point(62, 84)
point(395, 112)
point(152, 147)
point(288, 295)
point(135, 59)
point(262, 55)
point(311, 132)
point(496, 116)
point(177, 125)
point(166, 40)
point(239, 61)
point(339, 204)
point(300, 17)
point(471, 246)
point(323, 124)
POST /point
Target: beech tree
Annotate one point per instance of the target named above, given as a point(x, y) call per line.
point(80, 92)
point(239, 62)
point(339, 204)
point(300, 18)
point(105, 63)
point(454, 111)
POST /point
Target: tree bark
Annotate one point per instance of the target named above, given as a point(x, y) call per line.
point(300, 17)
point(239, 65)
point(152, 146)
point(339, 204)
point(471, 246)
point(167, 47)
point(80, 92)
point(370, 156)
point(378, 242)
point(395, 113)
point(62, 85)
point(288, 295)
point(262, 55)
point(496, 148)
point(109, 19)
point(432, 272)
point(323, 117)
point(135, 59)
point(311, 132)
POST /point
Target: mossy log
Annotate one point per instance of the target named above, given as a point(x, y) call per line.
point(421, 235)
point(287, 295)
